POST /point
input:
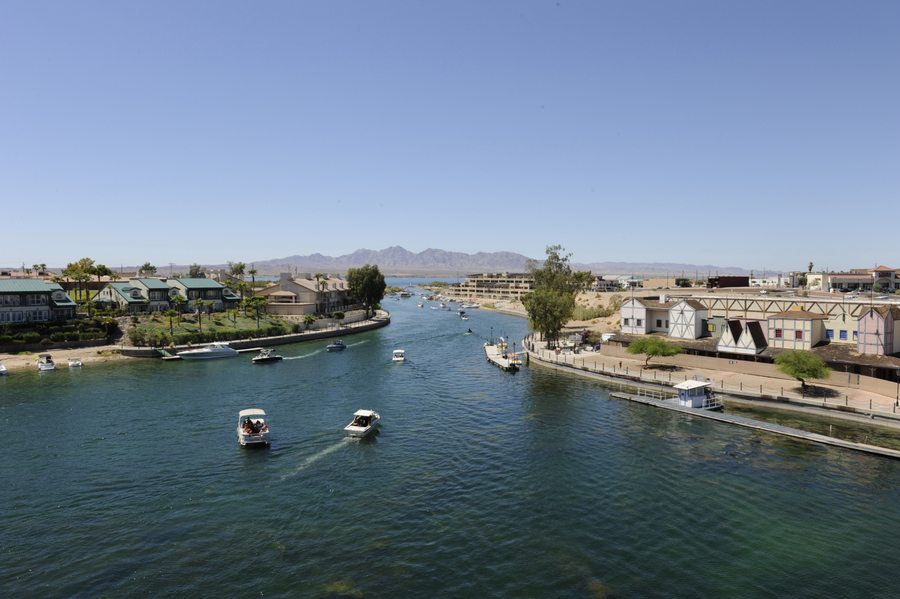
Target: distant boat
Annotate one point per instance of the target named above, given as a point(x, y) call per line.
point(399, 355)
point(364, 422)
point(336, 346)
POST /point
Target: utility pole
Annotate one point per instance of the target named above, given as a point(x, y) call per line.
point(171, 266)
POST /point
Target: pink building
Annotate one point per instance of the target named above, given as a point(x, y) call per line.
point(876, 331)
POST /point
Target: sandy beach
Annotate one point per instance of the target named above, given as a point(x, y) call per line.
point(88, 355)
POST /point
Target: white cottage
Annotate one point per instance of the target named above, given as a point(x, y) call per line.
point(743, 337)
point(641, 316)
point(686, 319)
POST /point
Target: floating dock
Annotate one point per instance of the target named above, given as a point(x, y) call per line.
point(499, 359)
point(787, 431)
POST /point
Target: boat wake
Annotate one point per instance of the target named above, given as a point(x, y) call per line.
point(318, 351)
point(317, 456)
point(360, 343)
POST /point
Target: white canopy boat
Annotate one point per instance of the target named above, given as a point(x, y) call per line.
point(45, 363)
point(75, 363)
point(252, 427)
point(364, 422)
point(399, 355)
point(213, 350)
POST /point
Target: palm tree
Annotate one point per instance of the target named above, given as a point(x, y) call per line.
point(324, 286)
point(233, 313)
point(257, 303)
point(241, 287)
point(170, 314)
point(178, 300)
point(37, 269)
point(308, 320)
point(198, 304)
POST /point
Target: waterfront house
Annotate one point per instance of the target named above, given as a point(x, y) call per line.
point(796, 329)
point(123, 294)
point(156, 292)
point(877, 331)
point(303, 294)
point(495, 286)
point(687, 319)
point(33, 300)
point(208, 290)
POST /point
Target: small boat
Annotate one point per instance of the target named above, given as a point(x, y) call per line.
point(2, 369)
point(266, 356)
point(364, 422)
point(471, 305)
point(514, 359)
point(464, 317)
point(211, 351)
point(399, 355)
point(336, 346)
point(45, 363)
point(435, 308)
point(421, 305)
point(252, 427)
point(75, 363)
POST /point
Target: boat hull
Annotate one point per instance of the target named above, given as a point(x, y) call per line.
point(261, 438)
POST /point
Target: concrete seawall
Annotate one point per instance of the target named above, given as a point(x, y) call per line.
point(380, 319)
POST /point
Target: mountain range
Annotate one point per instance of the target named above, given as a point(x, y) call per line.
point(397, 261)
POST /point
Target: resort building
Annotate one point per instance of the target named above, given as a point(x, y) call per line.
point(303, 294)
point(33, 300)
point(497, 286)
point(857, 279)
point(208, 290)
point(126, 296)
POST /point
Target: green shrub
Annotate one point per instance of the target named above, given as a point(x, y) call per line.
point(73, 336)
point(6, 339)
point(46, 342)
point(58, 336)
point(32, 337)
point(338, 315)
point(296, 328)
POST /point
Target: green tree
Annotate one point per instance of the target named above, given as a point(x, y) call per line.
point(233, 314)
point(241, 287)
point(195, 271)
point(198, 304)
point(252, 272)
point(308, 320)
point(179, 301)
point(367, 285)
point(652, 347)
point(257, 303)
point(552, 303)
point(171, 314)
point(810, 266)
point(236, 269)
point(548, 310)
point(147, 268)
point(318, 276)
point(802, 365)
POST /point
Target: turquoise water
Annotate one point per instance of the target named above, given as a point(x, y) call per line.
point(126, 479)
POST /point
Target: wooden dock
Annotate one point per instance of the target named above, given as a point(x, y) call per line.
point(777, 429)
point(497, 359)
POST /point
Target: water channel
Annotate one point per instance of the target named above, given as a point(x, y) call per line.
point(126, 479)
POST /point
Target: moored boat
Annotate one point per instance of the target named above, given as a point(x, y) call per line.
point(45, 363)
point(364, 422)
point(75, 363)
point(211, 351)
point(2, 369)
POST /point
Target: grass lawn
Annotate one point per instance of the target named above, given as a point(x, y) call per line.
point(219, 322)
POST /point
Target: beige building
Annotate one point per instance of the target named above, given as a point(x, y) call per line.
point(498, 286)
point(303, 294)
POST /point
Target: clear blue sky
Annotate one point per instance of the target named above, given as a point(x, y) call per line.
point(752, 134)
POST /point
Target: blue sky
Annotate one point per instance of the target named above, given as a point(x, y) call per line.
point(754, 134)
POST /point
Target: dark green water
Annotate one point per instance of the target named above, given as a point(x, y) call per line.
point(127, 480)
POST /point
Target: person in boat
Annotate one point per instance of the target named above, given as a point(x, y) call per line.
point(470, 330)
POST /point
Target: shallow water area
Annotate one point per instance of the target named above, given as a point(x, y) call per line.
point(127, 479)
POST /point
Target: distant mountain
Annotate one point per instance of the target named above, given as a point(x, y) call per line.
point(397, 261)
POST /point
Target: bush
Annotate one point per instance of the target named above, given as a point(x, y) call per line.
point(6, 339)
point(338, 315)
point(58, 336)
point(46, 342)
point(296, 328)
point(137, 337)
point(32, 337)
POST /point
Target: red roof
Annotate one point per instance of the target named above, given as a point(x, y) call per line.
point(882, 269)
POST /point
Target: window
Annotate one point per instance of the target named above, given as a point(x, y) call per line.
point(627, 322)
point(667, 324)
point(658, 323)
point(855, 335)
point(640, 322)
point(829, 333)
point(711, 327)
point(778, 333)
point(798, 334)
point(844, 335)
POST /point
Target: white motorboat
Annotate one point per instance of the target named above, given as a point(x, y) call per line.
point(252, 427)
point(364, 422)
point(470, 305)
point(211, 351)
point(75, 363)
point(2, 369)
point(464, 317)
point(421, 305)
point(399, 355)
point(45, 363)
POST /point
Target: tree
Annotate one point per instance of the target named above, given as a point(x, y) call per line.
point(147, 268)
point(241, 287)
point(801, 365)
point(367, 285)
point(652, 347)
point(317, 277)
point(233, 313)
point(179, 301)
point(308, 320)
point(252, 272)
point(548, 310)
point(810, 266)
point(171, 314)
point(324, 286)
point(257, 303)
point(236, 269)
point(552, 303)
point(198, 305)
point(195, 271)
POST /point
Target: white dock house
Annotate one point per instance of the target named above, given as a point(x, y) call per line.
point(695, 394)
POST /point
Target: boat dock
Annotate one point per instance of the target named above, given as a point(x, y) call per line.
point(671, 404)
point(497, 359)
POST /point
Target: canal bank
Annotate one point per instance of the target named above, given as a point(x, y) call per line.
point(636, 388)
